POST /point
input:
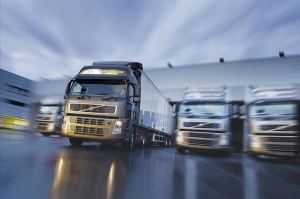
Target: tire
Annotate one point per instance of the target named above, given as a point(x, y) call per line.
point(130, 144)
point(180, 150)
point(46, 134)
point(75, 142)
point(143, 142)
point(167, 142)
point(170, 142)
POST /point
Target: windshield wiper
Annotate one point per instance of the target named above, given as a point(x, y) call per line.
point(262, 114)
point(208, 113)
point(287, 114)
point(104, 95)
point(101, 94)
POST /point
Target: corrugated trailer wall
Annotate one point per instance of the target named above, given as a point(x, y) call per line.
point(155, 110)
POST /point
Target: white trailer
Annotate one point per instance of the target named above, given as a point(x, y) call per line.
point(155, 110)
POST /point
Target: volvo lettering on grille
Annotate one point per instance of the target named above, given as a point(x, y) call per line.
point(92, 108)
point(201, 125)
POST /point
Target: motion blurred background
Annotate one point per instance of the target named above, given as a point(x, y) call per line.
point(196, 43)
point(182, 44)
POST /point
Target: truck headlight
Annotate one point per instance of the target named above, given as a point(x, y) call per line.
point(117, 127)
point(50, 126)
point(223, 140)
point(179, 137)
point(255, 142)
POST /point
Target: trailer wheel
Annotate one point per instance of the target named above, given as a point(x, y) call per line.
point(75, 142)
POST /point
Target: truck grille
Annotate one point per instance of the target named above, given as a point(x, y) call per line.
point(200, 135)
point(91, 121)
point(201, 125)
point(92, 108)
point(281, 143)
point(44, 118)
point(281, 147)
point(198, 142)
point(278, 128)
point(89, 130)
point(275, 126)
point(288, 139)
point(42, 126)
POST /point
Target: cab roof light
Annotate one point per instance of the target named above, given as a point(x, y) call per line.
point(98, 71)
point(205, 94)
point(267, 92)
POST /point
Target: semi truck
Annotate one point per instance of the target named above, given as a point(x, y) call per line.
point(273, 120)
point(210, 119)
point(49, 117)
point(116, 102)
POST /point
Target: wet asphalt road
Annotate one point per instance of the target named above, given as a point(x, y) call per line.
point(34, 166)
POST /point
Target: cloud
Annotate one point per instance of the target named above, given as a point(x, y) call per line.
point(53, 38)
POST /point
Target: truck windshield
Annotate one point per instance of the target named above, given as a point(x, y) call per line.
point(273, 109)
point(99, 88)
point(203, 109)
point(49, 109)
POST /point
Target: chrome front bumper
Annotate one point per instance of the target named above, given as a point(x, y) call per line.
point(91, 128)
point(274, 145)
point(202, 140)
point(46, 127)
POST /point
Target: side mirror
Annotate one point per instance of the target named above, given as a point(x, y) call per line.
point(68, 88)
point(65, 96)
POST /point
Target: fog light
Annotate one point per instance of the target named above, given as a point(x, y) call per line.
point(117, 127)
point(72, 128)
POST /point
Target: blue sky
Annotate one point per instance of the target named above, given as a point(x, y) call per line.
point(52, 38)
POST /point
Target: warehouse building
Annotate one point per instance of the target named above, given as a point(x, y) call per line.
point(172, 81)
point(16, 95)
point(240, 73)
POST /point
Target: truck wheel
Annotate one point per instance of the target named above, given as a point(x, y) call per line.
point(130, 145)
point(75, 142)
point(143, 142)
point(167, 142)
point(180, 150)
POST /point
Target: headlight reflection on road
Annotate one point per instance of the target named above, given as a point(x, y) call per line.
point(110, 181)
point(58, 176)
point(60, 165)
